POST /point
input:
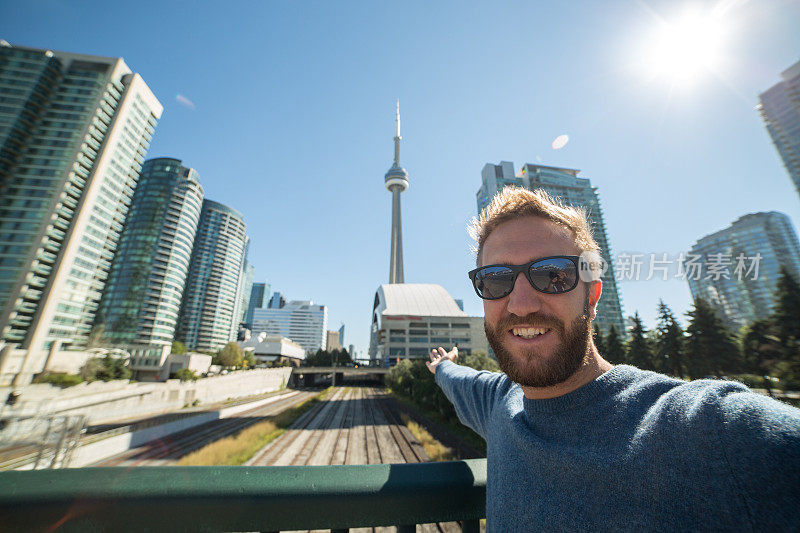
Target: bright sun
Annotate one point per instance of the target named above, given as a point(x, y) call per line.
point(686, 48)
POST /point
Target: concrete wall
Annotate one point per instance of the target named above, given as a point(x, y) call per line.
point(102, 449)
point(114, 400)
point(11, 361)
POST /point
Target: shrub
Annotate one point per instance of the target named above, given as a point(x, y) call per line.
point(59, 379)
point(185, 374)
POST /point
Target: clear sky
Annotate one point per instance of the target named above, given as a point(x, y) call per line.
point(286, 109)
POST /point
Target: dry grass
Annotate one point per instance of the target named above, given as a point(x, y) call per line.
point(435, 449)
point(238, 448)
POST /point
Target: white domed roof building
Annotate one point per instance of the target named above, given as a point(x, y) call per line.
point(410, 319)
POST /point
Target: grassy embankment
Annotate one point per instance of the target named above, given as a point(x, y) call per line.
point(238, 448)
point(435, 449)
point(452, 425)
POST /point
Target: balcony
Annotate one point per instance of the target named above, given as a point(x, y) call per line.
point(229, 498)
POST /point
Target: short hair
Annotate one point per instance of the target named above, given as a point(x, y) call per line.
point(514, 202)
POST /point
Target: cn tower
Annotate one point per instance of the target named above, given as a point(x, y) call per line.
point(396, 181)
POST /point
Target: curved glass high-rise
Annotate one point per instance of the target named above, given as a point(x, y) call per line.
point(207, 320)
point(74, 131)
point(142, 300)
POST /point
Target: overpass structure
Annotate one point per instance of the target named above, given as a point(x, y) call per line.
point(312, 375)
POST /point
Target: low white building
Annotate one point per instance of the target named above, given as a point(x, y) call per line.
point(274, 348)
point(410, 319)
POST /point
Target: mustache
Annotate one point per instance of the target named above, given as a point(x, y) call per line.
point(534, 319)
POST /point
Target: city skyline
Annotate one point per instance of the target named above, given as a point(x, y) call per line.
point(673, 163)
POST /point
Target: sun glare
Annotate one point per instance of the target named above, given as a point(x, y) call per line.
point(686, 48)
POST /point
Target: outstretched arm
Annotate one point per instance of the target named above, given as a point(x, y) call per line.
point(471, 392)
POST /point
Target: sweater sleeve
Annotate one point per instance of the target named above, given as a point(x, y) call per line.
point(471, 392)
point(760, 439)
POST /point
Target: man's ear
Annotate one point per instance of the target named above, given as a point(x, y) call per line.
point(595, 290)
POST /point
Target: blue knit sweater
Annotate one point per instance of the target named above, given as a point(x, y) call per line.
point(632, 450)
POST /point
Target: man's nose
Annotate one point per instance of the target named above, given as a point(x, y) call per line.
point(524, 299)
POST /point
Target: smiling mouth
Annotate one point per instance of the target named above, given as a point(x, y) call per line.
point(529, 333)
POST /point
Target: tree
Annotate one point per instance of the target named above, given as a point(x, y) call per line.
point(761, 349)
point(249, 359)
point(670, 342)
point(710, 347)
point(787, 323)
point(480, 360)
point(615, 350)
point(178, 348)
point(106, 369)
point(599, 341)
point(229, 356)
point(639, 350)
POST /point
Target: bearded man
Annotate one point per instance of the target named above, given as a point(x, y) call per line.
point(575, 443)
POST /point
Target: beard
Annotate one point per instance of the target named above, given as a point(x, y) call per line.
point(532, 368)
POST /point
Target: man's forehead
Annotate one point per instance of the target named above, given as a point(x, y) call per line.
point(528, 238)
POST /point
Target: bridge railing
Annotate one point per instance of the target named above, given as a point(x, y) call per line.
point(237, 498)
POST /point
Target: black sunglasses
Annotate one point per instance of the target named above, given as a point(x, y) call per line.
point(551, 275)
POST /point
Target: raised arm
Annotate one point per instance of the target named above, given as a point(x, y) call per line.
point(471, 392)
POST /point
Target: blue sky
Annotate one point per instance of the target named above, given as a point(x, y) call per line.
point(293, 116)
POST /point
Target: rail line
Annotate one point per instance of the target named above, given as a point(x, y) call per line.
point(353, 426)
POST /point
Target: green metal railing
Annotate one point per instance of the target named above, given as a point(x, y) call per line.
point(238, 498)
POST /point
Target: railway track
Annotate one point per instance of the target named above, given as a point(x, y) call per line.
point(168, 450)
point(353, 426)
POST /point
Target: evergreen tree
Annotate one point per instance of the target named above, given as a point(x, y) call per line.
point(710, 347)
point(599, 341)
point(787, 318)
point(761, 349)
point(639, 351)
point(615, 350)
point(670, 342)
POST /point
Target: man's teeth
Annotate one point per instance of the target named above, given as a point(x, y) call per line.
point(529, 333)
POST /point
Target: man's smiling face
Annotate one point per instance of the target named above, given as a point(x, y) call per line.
point(539, 339)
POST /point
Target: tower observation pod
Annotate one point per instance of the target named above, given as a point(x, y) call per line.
point(396, 181)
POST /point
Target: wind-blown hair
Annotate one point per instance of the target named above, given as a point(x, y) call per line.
point(512, 203)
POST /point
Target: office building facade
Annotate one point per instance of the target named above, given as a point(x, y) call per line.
point(208, 313)
point(564, 184)
point(142, 300)
point(737, 269)
point(303, 321)
point(259, 298)
point(780, 108)
point(74, 130)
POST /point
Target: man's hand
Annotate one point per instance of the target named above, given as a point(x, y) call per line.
point(438, 355)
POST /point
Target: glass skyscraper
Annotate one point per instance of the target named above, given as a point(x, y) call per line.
point(780, 109)
point(565, 184)
point(259, 298)
point(142, 300)
point(737, 269)
point(207, 320)
point(74, 130)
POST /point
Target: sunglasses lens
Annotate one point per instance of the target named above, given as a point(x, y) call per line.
point(554, 275)
point(494, 282)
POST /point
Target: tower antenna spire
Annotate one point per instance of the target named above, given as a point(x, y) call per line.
point(397, 137)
